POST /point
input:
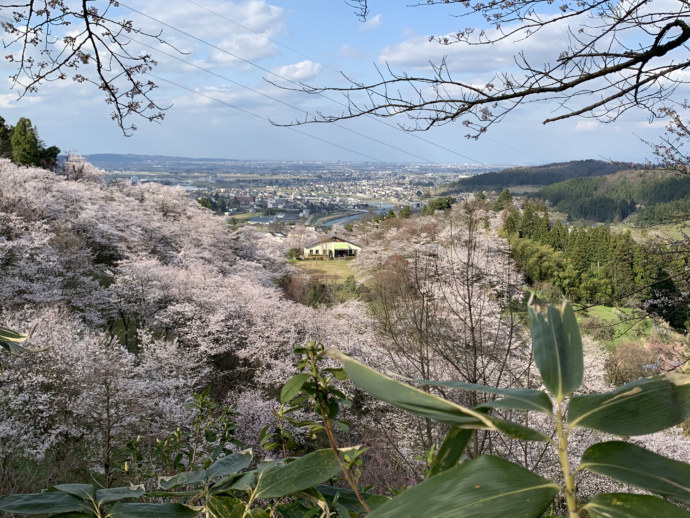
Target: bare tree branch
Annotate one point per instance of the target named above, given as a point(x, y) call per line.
point(79, 39)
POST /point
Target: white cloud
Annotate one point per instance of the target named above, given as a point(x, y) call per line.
point(587, 125)
point(302, 71)
point(223, 29)
point(418, 52)
point(371, 23)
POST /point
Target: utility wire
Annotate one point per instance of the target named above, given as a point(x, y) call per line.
point(251, 63)
point(234, 22)
point(258, 92)
point(158, 78)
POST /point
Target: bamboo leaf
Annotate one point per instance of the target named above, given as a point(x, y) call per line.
point(115, 494)
point(42, 503)
point(301, 474)
point(225, 507)
point(623, 505)
point(557, 348)
point(186, 478)
point(292, 387)
point(427, 405)
point(633, 465)
point(451, 450)
point(83, 491)
point(516, 398)
point(486, 487)
point(638, 408)
point(136, 510)
point(229, 464)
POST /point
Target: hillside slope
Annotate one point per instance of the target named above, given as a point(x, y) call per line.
point(533, 176)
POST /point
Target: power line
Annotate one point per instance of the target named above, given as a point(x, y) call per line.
point(158, 78)
point(258, 92)
point(251, 63)
point(262, 35)
point(234, 22)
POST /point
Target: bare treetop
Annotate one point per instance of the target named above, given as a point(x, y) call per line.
point(85, 41)
point(618, 55)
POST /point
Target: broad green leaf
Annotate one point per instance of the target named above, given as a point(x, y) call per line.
point(225, 507)
point(258, 513)
point(301, 474)
point(557, 348)
point(229, 464)
point(427, 405)
point(187, 478)
point(115, 494)
point(348, 499)
point(42, 503)
point(516, 398)
point(633, 465)
point(623, 505)
point(121, 510)
point(451, 450)
point(83, 491)
point(638, 408)
point(292, 387)
point(246, 482)
point(486, 487)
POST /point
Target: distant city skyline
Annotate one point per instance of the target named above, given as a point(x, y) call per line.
point(221, 97)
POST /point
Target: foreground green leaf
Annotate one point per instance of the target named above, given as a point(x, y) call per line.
point(301, 474)
point(633, 465)
point(115, 494)
point(224, 466)
point(136, 510)
point(451, 450)
point(644, 406)
point(42, 503)
point(516, 398)
point(623, 505)
point(557, 347)
point(427, 405)
point(292, 387)
point(225, 507)
point(486, 487)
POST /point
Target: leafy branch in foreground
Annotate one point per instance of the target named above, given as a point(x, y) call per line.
point(11, 342)
point(492, 487)
point(484, 487)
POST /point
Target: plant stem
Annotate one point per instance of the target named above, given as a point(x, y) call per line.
point(569, 490)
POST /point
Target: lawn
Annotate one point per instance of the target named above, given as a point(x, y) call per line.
point(338, 267)
point(613, 326)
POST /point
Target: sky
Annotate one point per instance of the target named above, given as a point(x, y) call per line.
point(221, 87)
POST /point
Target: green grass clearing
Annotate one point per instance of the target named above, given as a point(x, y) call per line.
point(316, 268)
point(613, 326)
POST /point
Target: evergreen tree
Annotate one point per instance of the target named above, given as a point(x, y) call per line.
point(25, 144)
point(504, 200)
point(405, 213)
point(390, 215)
point(5, 139)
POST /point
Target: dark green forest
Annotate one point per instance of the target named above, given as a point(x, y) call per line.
point(536, 175)
point(593, 265)
point(614, 198)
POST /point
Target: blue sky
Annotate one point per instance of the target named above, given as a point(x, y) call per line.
point(310, 41)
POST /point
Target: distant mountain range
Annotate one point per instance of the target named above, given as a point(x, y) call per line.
point(132, 162)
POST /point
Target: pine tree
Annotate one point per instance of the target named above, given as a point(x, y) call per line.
point(405, 213)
